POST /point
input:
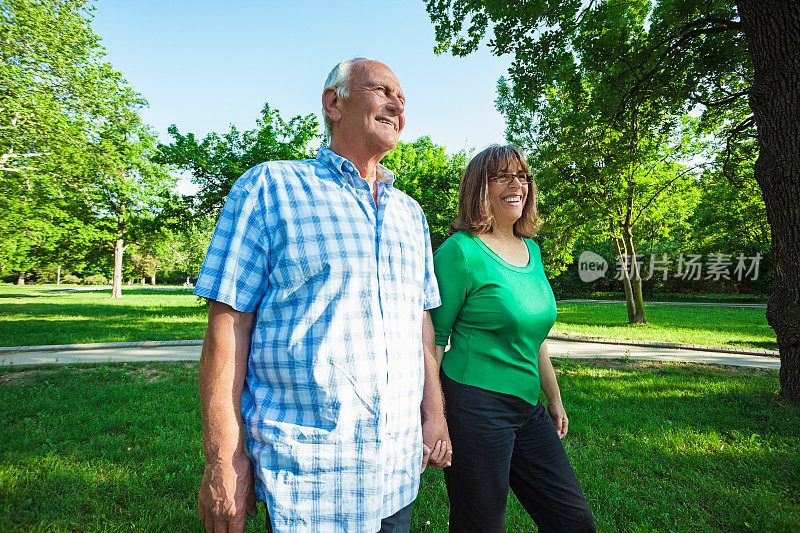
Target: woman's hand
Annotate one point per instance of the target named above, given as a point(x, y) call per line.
point(559, 416)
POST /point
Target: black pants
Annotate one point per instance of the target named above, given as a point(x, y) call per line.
point(501, 440)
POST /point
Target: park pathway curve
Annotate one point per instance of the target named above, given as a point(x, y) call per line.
point(190, 351)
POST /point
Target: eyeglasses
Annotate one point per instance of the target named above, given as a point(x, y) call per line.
point(502, 179)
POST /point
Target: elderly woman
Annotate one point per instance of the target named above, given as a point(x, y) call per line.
point(497, 308)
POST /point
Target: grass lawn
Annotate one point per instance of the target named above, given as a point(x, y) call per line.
point(44, 314)
point(656, 446)
point(720, 326)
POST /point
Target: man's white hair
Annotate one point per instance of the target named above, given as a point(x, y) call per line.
point(339, 79)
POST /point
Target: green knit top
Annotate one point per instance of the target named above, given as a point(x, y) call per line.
point(496, 316)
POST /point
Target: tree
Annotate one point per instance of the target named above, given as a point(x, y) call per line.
point(60, 109)
point(48, 91)
point(426, 173)
point(594, 176)
point(690, 54)
point(217, 161)
point(186, 245)
point(130, 186)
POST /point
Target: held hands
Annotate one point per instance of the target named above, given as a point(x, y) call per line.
point(559, 416)
point(436, 448)
point(227, 493)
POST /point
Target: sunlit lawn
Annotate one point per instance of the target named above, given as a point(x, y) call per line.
point(656, 446)
point(36, 315)
point(710, 326)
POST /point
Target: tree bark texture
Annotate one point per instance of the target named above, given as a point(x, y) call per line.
point(21, 277)
point(626, 280)
point(636, 280)
point(772, 30)
point(116, 285)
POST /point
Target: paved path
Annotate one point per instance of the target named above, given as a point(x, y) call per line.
point(588, 350)
point(558, 348)
point(672, 304)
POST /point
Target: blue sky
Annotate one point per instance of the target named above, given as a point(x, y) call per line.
point(204, 65)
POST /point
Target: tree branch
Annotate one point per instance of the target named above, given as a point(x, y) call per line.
point(727, 100)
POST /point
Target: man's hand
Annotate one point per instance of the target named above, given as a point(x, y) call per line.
point(556, 411)
point(436, 447)
point(227, 494)
point(435, 437)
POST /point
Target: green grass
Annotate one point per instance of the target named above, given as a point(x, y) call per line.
point(43, 314)
point(656, 447)
point(720, 326)
point(35, 315)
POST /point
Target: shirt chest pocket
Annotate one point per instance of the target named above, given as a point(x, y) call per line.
point(319, 260)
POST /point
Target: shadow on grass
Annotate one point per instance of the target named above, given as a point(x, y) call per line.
point(749, 344)
point(664, 447)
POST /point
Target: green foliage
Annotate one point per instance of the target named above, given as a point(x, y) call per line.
point(667, 56)
point(74, 155)
point(70, 279)
point(603, 93)
point(95, 279)
point(426, 173)
point(218, 160)
point(52, 84)
point(185, 242)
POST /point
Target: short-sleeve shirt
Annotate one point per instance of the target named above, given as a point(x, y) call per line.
point(334, 381)
point(495, 314)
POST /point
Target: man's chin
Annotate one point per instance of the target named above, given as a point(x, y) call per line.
point(385, 145)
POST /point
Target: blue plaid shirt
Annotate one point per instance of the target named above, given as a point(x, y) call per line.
point(334, 383)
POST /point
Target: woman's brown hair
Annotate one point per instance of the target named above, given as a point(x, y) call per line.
point(474, 212)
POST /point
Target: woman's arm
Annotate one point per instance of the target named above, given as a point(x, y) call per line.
point(547, 378)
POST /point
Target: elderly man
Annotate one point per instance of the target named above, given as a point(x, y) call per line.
point(318, 344)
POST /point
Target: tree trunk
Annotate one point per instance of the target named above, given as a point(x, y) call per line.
point(21, 277)
point(143, 278)
point(626, 280)
point(116, 284)
point(772, 30)
point(636, 280)
point(153, 279)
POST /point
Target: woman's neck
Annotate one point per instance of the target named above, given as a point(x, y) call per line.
point(503, 232)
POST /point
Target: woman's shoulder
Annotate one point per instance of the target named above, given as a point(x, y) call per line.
point(457, 247)
point(533, 245)
point(458, 242)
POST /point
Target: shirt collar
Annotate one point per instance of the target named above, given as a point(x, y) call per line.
point(345, 168)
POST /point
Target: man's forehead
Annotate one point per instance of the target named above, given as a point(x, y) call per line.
point(374, 72)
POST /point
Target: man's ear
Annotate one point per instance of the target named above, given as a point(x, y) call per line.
point(331, 103)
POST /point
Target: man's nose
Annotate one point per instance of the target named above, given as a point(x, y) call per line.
point(396, 105)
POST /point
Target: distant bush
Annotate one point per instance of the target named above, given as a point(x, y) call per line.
point(95, 279)
point(41, 275)
point(70, 278)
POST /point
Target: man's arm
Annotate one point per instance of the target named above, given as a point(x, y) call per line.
point(435, 437)
point(227, 490)
point(547, 379)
